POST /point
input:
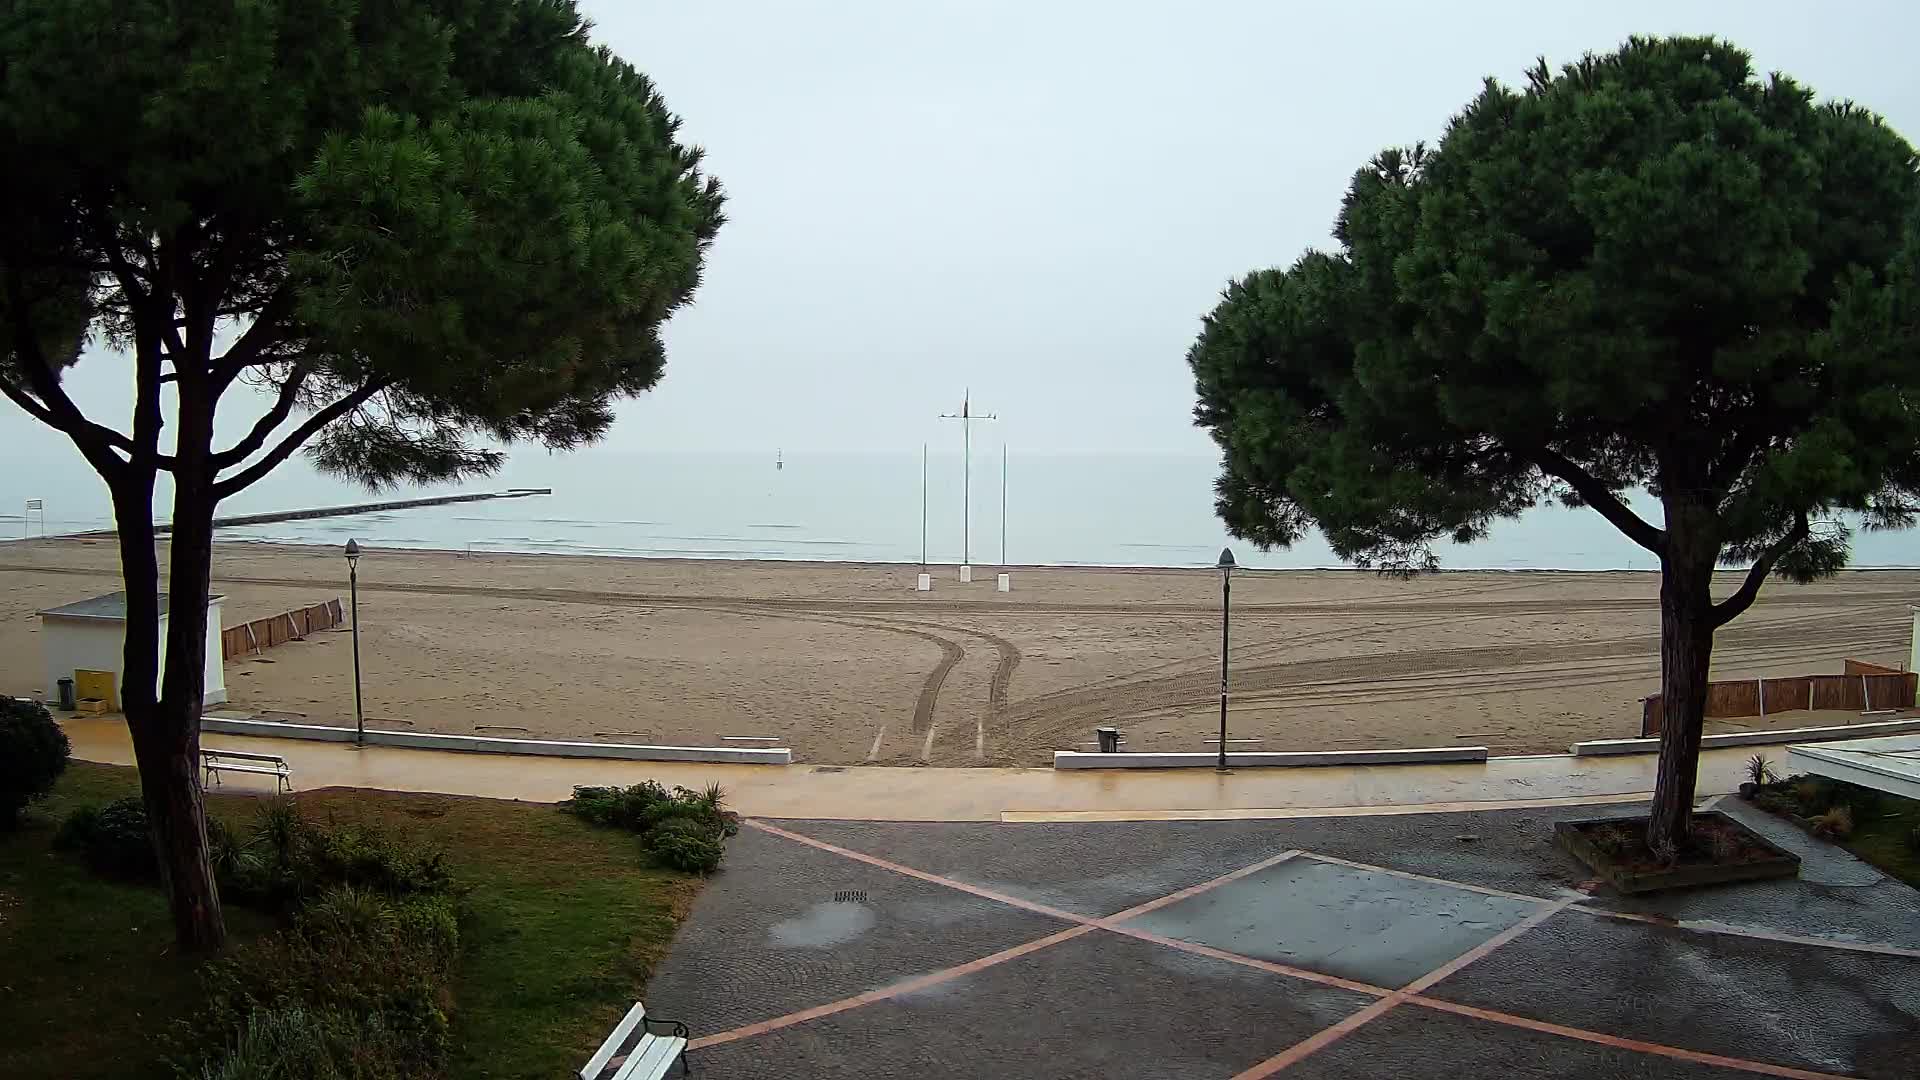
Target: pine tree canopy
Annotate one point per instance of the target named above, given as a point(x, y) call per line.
point(1652, 269)
point(410, 222)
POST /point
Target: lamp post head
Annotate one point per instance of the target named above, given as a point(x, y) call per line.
point(1226, 562)
point(353, 552)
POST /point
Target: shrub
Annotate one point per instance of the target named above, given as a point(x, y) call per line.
point(289, 1043)
point(277, 828)
point(631, 808)
point(369, 972)
point(368, 856)
point(231, 857)
point(1835, 823)
point(33, 754)
point(1777, 800)
point(346, 912)
point(77, 828)
point(682, 829)
point(686, 844)
point(1814, 795)
point(112, 838)
point(288, 859)
point(1759, 770)
point(1613, 839)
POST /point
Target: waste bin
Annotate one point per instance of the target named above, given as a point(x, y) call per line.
point(66, 695)
point(1109, 739)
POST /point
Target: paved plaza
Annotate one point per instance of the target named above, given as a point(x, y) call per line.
point(1419, 945)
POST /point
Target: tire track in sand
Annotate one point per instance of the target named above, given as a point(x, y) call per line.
point(999, 687)
point(851, 614)
point(1053, 715)
point(951, 652)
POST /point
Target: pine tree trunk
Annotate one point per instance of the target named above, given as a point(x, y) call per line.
point(166, 737)
point(177, 811)
point(1686, 653)
point(166, 743)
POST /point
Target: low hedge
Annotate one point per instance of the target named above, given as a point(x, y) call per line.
point(33, 754)
point(682, 829)
point(356, 986)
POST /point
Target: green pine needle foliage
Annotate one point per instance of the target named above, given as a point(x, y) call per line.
point(1651, 269)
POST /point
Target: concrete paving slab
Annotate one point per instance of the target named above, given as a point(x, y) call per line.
point(775, 931)
point(1420, 1044)
point(1821, 863)
point(1103, 867)
point(1740, 996)
point(1091, 870)
point(1098, 1007)
point(1358, 924)
point(1804, 1006)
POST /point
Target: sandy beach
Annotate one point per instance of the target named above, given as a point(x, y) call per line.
point(846, 664)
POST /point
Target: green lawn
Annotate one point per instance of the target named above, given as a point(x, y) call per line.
point(1885, 839)
point(1886, 828)
point(561, 927)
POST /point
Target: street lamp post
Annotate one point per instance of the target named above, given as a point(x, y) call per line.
point(1226, 614)
point(353, 590)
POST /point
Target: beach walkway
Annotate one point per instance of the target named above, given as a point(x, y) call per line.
point(971, 794)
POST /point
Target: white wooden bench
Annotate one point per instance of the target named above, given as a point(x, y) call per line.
point(216, 762)
point(633, 1052)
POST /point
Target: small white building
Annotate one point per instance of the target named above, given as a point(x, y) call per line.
point(90, 636)
point(1890, 764)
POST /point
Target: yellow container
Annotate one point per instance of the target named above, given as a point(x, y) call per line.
point(97, 685)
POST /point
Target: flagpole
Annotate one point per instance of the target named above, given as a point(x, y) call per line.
point(1003, 504)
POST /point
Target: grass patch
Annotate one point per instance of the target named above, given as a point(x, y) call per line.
point(1882, 829)
point(88, 973)
point(561, 927)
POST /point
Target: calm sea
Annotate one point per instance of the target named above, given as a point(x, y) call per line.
point(1067, 509)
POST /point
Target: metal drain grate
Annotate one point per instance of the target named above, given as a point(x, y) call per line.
point(850, 896)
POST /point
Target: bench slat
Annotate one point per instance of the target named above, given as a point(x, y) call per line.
point(210, 752)
point(652, 1058)
point(262, 769)
point(614, 1041)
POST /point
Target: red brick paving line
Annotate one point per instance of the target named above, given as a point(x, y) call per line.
point(1657, 1049)
point(1755, 933)
point(1303, 974)
point(920, 982)
point(1326, 1037)
point(1634, 916)
point(1411, 994)
point(1481, 889)
point(1084, 925)
point(870, 860)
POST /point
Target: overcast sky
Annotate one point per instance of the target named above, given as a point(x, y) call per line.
point(1040, 200)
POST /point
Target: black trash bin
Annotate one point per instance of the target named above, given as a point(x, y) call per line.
point(1109, 739)
point(67, 701)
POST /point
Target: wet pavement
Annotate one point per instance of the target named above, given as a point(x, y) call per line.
point(976, 793)
point(1425, 945)
point(1357, 924)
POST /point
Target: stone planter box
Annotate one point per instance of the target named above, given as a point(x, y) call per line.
point(1776, 863)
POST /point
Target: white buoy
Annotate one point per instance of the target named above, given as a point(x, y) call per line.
point(924, 583)
point(966, 574)
point(1004, 583)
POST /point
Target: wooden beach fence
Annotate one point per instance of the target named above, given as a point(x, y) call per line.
point(262, 634)
point(1864, 687)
